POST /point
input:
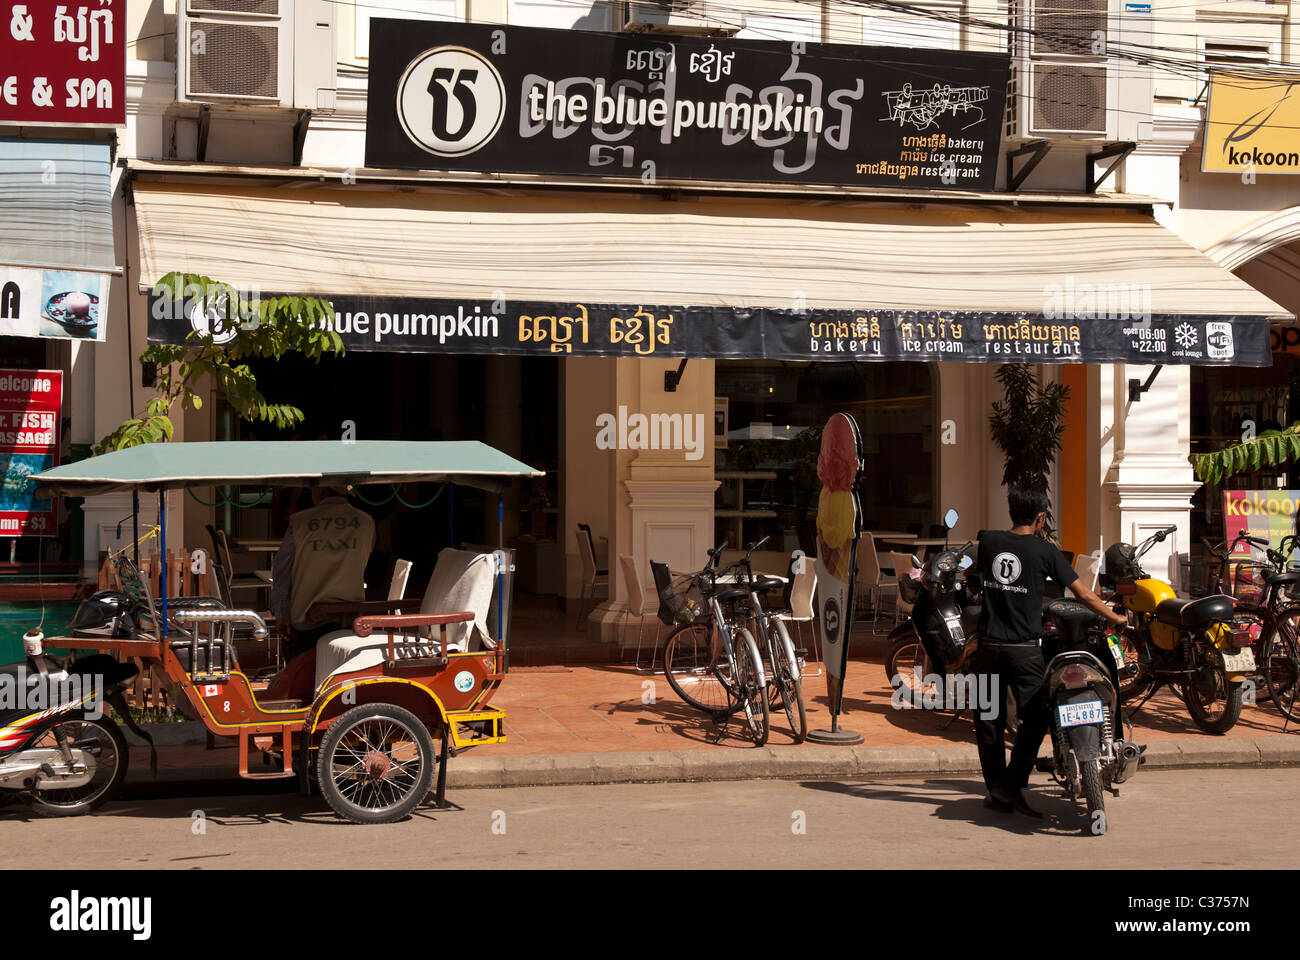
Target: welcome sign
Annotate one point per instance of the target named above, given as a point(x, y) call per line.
point(526, 100)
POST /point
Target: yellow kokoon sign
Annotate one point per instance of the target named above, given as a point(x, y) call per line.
point(1252, 123)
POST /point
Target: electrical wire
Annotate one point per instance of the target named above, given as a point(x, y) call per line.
point(1160, 59)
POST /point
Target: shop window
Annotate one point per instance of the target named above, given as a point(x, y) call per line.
point(446, 10)
point(774, 413)
point(1228, 403)
point(1237, 52)
point(561, 14)
point(941, 31)
point(783, 27)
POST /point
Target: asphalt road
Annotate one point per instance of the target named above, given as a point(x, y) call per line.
point(1160, 819)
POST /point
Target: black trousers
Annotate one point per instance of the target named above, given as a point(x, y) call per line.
point(300, 641)
point(1020, 668)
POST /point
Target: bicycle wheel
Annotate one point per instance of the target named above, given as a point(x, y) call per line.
point(785, 682)
point(1281, 664)
point(751, 691)
point(691, 661)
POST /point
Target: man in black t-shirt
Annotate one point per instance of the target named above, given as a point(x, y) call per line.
point(1015, 565)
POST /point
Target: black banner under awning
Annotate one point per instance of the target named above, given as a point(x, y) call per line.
point(533, 328)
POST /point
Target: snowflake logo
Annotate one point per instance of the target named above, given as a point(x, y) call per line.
point(1186, 335)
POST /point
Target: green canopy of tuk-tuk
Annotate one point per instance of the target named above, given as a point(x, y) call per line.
point(284, 463)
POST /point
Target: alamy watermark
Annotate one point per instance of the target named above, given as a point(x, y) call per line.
point(953, 691)
point(653, 431)
point(49, 694)
point(1096, 301)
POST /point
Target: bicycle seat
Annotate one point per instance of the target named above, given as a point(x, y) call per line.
point(734, 593)
point(1275, 579)
point(767, 584)
point(1195, 613)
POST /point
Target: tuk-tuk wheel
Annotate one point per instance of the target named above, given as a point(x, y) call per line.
point(375, 763)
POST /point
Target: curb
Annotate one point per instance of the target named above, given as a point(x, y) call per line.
point(777, 763)
point(783, 763)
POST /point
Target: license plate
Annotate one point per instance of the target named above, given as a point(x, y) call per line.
point(1079, 714)
point(1243, 661)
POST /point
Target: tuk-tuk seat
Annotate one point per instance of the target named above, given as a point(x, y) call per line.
point(452, 618)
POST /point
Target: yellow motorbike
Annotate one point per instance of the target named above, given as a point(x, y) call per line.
point(1188, 645)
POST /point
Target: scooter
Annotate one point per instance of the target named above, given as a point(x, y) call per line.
point(60, 752)
point(1188, 644)
point(929, 651)
point(1089, 752)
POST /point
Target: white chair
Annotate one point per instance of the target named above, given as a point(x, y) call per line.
point(397, 586)
point(902, 565)
point(592, 576)
point(871, 578)
point(1088, 567)
point(801, 607)
point(636, 607)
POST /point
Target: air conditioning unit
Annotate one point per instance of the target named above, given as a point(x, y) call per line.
point(1066, 81)
point(275, 53)
point(696, 18)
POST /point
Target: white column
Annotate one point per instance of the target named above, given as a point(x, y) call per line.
point(1150, 482)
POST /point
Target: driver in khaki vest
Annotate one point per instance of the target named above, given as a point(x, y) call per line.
point(322, 559)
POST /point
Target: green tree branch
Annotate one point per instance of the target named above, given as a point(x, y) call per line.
point(268, 328)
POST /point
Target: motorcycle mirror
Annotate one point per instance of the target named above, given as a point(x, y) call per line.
point(950, 518)
point(917, 563)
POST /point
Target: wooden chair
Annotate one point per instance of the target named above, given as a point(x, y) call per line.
point(237, 581)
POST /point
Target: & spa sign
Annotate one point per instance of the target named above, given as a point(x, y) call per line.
point(63, 64)
point(488, 98)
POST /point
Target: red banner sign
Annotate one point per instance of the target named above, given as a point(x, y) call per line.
point(30, 401)
point(63, 63)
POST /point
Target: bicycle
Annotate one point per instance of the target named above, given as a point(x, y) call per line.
point(784, 677)
point(712, 662)
point(1276, 643)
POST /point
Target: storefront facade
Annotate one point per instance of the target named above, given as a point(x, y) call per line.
point(766, 286)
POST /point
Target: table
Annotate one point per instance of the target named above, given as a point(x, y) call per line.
point(258, 546)
point(899, 535)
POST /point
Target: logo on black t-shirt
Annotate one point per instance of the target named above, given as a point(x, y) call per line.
point(1006, 568)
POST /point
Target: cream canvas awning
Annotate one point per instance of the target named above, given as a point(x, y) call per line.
point(767, 278)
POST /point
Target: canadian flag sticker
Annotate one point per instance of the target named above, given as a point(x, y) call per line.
point(212, 690)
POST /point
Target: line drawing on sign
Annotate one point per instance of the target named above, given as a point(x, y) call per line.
point(922, 108)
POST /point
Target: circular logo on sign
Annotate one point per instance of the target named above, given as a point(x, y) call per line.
point(451, 101)
point(1006, 568)
point(464, 681)
point(831, 621)
point(210, 318)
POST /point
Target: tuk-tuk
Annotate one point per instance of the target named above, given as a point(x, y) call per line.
point(360, 725)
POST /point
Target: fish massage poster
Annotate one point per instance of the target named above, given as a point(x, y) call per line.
point(839, 525)
point(30, 401)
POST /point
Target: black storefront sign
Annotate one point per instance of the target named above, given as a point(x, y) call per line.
point(567, 102)
point(533, 328)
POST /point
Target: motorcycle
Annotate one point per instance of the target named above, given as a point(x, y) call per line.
point(931, 650)
point(1089, 752)
point(1187, 644)
point(60, 752)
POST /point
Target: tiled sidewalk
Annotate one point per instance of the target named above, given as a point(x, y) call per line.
point(579, 709)
point(557, 711)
